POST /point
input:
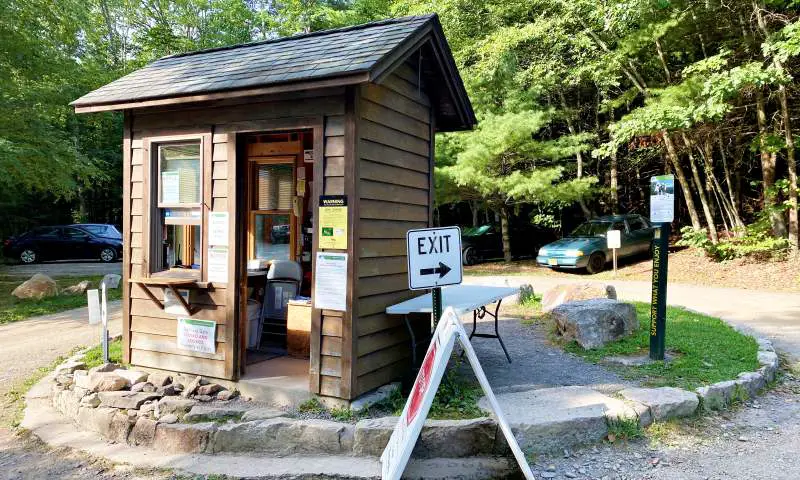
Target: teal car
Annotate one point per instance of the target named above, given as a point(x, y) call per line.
point(586, 247)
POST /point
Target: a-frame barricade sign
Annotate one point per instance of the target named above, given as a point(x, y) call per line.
point(405, 434)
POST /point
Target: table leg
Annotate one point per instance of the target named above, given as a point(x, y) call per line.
point(482, 312)
point(497, 332)
point(413, 342)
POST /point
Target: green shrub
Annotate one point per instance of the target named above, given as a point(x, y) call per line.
point(756, 242)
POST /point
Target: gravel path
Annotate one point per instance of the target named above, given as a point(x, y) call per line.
point(534, 360)
point(761, 440)
point(63, 269)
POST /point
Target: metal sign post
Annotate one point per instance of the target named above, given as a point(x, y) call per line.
point(662, 213)
point(434, 260)
point(614, 241)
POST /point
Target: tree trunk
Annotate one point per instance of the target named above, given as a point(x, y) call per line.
point(506, 233)
point(578, 155)
point(725, 205)
point(768, 170)
point(737, 218)
point(614, 183)
point(475, 208)
point(791, 165)
point(712, 228)
point(687, 190)
point(667, 75)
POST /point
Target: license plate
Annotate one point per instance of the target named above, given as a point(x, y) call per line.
point(552, 261)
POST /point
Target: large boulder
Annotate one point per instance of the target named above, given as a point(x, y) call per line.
point(573, 292)
point(38, 286)
point(594, 323)
point(106, 382)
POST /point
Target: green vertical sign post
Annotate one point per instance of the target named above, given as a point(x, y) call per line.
point(662, 213)
point(436, 296)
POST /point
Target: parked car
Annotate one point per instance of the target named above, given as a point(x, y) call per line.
point(66, 242)
point(486, 242)
point(586, 246)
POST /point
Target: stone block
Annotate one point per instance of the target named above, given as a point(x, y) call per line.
point(456, 438)
point(192, 386)
point(752, 382)
point(209, 389)
point(178, 406)
point(143, 432)
point(119, 428)
point(133, 376)
point(106, 367)
point(168, 418)
point(159, 379)
point(284, 436)
point(182, 438)
point(106, 382)
point(372, 435)
point(574, 292)
point(664, 402)
point(126, 400)
point(263, 413)
point(70, 366)
point(96, 419)
point(718, 395)
point(226, 395)
point(594, 323)
point(203, 412)
point(376, 396)
point(92, 400)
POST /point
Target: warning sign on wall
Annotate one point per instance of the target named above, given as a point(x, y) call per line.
point(333, 222)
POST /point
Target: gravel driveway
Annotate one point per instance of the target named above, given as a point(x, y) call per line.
point(62, 269)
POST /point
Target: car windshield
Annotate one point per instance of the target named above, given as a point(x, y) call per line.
point(96, 229)
point(591, 229)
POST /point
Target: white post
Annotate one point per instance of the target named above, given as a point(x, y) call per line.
point(614, 252)
point(104, 317)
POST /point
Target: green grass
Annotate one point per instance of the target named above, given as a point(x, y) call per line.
point(623, 429)
point(707, 350)
point(94, 356)
point(13, 309)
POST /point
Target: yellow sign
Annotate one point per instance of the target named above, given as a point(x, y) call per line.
point(333, 222)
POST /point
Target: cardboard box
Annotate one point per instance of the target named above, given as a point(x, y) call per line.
point(298, 328)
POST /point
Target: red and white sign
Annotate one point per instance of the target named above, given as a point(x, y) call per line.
point(405, 434)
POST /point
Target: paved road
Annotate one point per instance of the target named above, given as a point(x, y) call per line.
point(61, 269)
point(773, 315)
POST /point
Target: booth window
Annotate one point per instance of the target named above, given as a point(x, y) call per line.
point(179, 218)
point(271, 223)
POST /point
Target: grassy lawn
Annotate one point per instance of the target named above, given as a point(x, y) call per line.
point(14, 310)
point(706, 349)
point(94, 356)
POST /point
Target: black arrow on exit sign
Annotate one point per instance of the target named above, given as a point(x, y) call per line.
point(442, 270)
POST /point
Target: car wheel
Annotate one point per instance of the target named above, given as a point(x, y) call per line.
point(468, 256)
point(108, 254)
point(28, 256)
point(596, 264)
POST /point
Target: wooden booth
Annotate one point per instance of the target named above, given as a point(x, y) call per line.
point(268, 188)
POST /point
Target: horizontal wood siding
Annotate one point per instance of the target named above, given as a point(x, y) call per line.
point(394, 189)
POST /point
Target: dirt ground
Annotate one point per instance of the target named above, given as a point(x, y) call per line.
point(687, 266)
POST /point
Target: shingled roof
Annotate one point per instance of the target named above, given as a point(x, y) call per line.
point(354, 54)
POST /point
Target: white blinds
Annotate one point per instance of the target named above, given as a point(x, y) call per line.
point(275, 187)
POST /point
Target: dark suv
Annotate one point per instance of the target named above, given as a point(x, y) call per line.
point(66, 242)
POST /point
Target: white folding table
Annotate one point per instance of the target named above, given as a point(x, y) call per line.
point(463, 298)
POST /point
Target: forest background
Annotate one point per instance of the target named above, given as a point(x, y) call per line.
point(579, 103)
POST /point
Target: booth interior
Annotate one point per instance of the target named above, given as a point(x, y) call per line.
point(279, 215)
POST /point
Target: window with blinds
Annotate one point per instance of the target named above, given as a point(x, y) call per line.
point(274, 187)
point(179, 174)
point(272, 226)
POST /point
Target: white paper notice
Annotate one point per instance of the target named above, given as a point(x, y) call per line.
point(172, 304)
point(330, 281)
point(218, 229)
point(170, 187)
point(197, 335)
point(218, 264)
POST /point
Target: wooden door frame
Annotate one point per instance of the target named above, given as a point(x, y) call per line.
point(237, 131)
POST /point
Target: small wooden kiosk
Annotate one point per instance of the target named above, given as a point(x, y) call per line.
point(228, 154)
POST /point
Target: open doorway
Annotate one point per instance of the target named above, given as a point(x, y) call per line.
point(278, 174)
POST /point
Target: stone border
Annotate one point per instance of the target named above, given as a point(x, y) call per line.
point(267, 431)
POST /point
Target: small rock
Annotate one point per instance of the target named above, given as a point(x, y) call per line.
point(655, 461)
point(227, 394)
point(167, 390)
point(133, 376)
point(570, 475)
point(192, 387)
point(203, 398)
point(743, 439)
point(77, 289)
point(70, 367)
point(551, 468)
point(106, 382)
point(137, 387)
point(106, 367)
point(548, 475)
point(149, 388)
point(209, 389)
point(159, 379)
point(92, 400)
point(168, 418)
point(133, 415)
point(148, 406)
point(64, 380)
